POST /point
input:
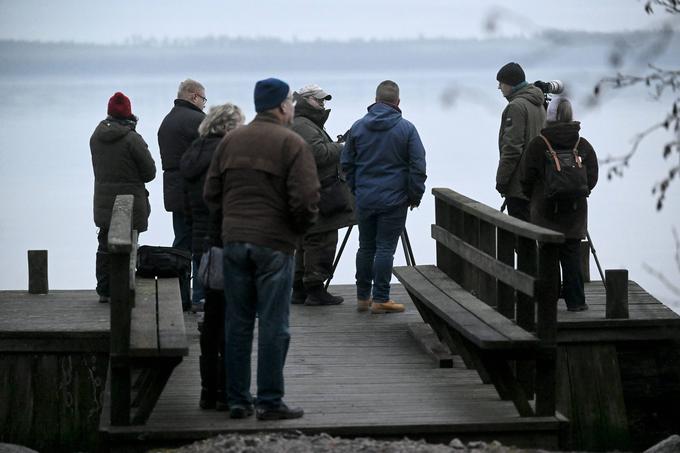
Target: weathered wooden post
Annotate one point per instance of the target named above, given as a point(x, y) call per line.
point(546, 329)
point(120, 247)
point(617, 293)
point(37, 272)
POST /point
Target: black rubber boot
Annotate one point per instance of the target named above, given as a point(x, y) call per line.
point(221, 393)
point(317, 295)
point(299, 293)
point(208, 382)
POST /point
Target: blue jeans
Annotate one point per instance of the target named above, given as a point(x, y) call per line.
point(379, 231)
point(258, 282)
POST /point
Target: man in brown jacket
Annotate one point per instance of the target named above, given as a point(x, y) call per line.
point(264, 180)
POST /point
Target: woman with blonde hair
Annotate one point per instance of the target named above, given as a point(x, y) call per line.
point(206, 233)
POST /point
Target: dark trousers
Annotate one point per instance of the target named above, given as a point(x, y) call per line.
point(314, 258)
point(518, 208)
point(102, 263)
point(213, 376)
point(572, 275)
point(182, 241)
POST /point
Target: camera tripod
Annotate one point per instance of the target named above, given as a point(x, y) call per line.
point(405, 242)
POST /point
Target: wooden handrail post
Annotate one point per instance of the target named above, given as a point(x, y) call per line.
point(120, 247)
point(37, 272)
point(505, 253)
point(546, 329)
point(617, 293)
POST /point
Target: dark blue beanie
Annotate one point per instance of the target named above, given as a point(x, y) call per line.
point(511, 74)
point(270, 93)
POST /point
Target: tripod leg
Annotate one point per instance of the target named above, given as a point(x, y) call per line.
point(337, 257)
point(408, 248)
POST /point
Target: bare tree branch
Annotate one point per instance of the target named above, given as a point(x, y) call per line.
point(660, 275)
point(670, 6)
point(660, 81)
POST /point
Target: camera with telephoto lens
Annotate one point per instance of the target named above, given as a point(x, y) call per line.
point(548, 88)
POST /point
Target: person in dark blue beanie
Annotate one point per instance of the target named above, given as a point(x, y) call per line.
point(267, 202)
point(270, 93)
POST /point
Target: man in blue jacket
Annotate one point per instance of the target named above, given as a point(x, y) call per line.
point(384, 162)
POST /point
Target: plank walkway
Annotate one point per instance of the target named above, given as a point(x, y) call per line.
point(355, 374)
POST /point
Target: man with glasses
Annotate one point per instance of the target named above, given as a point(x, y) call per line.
point(178, 129)
point(263, 181)
point(315, 253)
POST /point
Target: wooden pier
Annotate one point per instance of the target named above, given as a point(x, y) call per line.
point(355, 374)
point(521, 369)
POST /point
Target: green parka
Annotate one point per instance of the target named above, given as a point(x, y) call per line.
point(122, 164)
point(308, 124)
point(521, 121)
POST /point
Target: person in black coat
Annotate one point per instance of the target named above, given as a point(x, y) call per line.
point(122, 164)
point(568, 216)
point(177, 131)
point(206, 232)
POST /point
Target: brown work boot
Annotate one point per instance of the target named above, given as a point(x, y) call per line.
point(363, 304)
point(389, 306)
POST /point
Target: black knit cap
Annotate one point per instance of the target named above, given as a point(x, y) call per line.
point(511, 74)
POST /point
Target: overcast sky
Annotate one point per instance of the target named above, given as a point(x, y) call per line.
point(114, 21)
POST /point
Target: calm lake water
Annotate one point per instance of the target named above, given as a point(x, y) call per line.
point(46, 177)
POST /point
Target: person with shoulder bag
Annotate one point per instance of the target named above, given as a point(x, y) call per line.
point(560, 171)
point(205, 240)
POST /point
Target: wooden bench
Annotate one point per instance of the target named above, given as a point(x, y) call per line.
point(499, 314)
point(148, 336)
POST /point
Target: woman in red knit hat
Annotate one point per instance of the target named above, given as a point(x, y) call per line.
point(122, 164)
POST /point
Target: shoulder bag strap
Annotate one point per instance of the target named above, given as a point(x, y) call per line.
point(552, 153)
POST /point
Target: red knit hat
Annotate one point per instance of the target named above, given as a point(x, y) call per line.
point(119, 106)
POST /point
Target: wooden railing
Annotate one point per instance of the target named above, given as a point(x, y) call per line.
point(512, 266)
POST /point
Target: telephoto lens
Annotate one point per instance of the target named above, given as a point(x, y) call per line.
point(555, 87)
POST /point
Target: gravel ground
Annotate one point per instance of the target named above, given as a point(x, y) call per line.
point(299, 443)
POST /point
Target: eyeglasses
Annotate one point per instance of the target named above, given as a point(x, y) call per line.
point(205, 100)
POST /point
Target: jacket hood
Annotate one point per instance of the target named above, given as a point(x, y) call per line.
point(196, 160)
point(562, 135)
point(111, 129)
point(318, 117)
point(381, 116)
point(530, 93)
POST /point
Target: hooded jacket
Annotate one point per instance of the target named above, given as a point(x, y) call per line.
point(384, 159)
point(194, 167)
point(569, 217)
point(122, 164)
point(521, 121)
point(177, 131)
point(263, 178)
point(309, 124)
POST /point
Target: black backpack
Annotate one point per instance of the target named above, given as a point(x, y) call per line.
point(163, 262)
point(566, 178)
